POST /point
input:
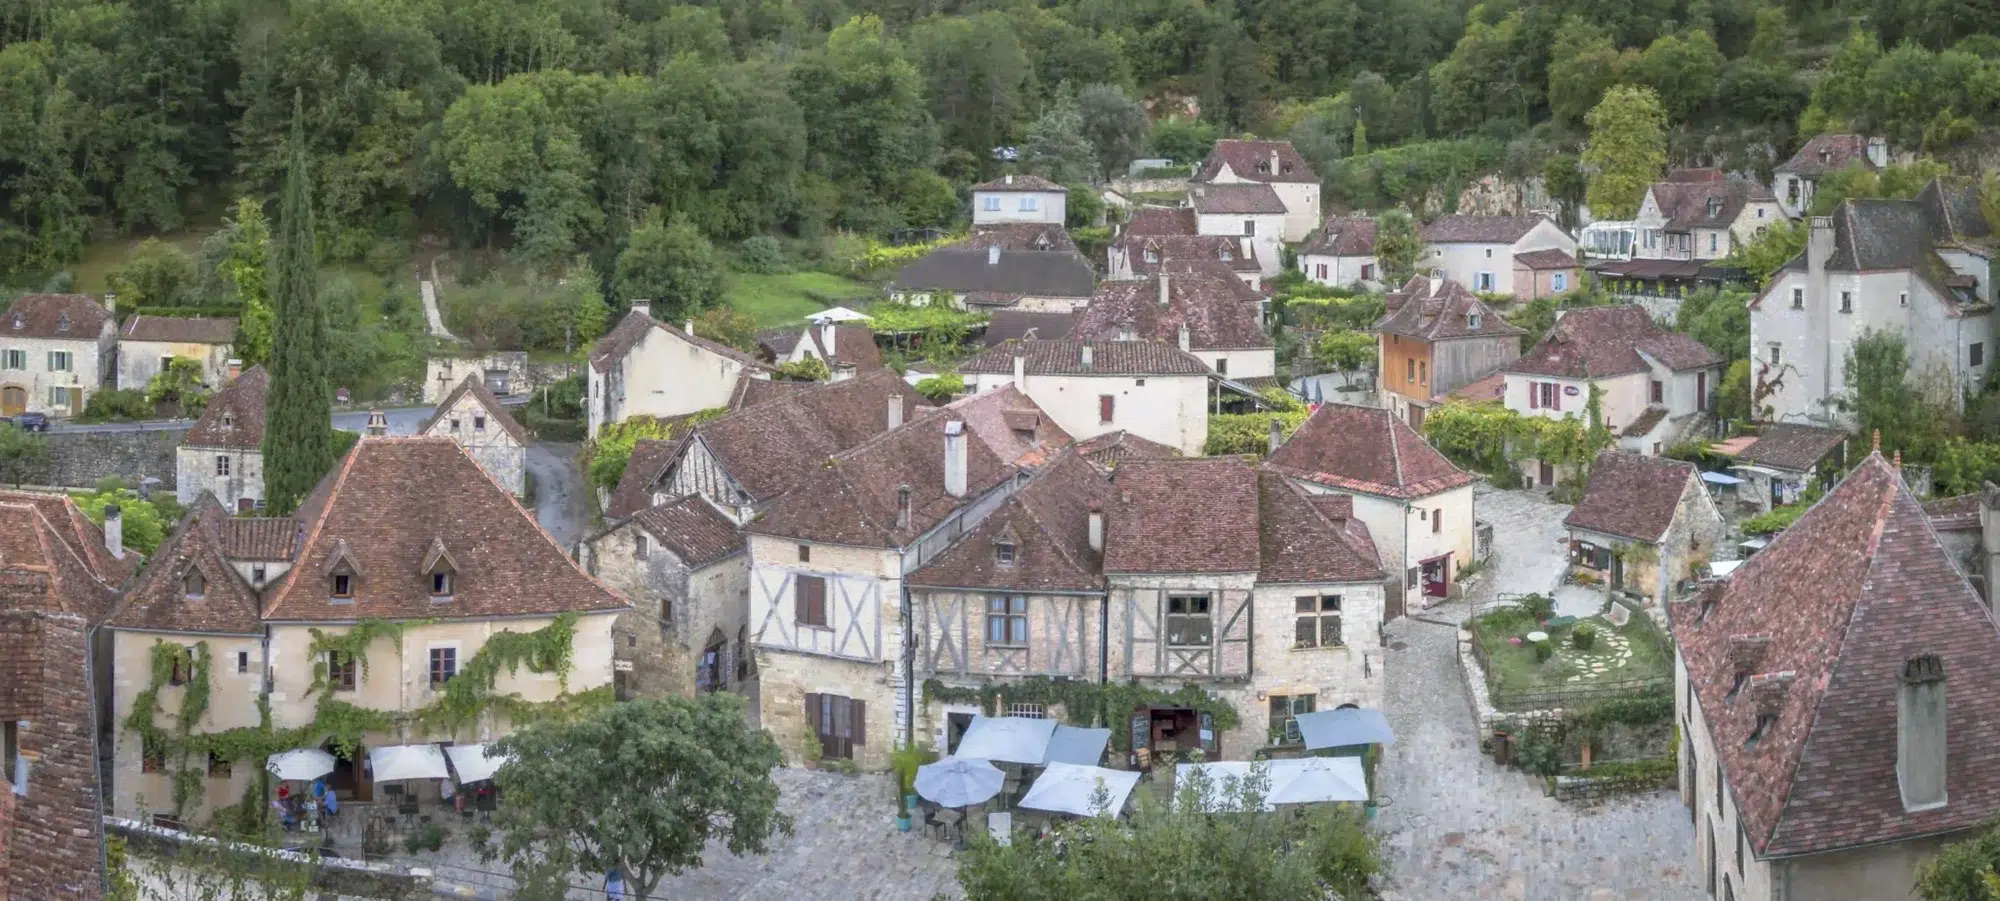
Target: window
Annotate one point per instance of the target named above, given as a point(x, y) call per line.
point(1410, 370)
point(152, 755)
point(60, 360)
point(444, 665)
point(1559, 281)
point(1718, 800)
point(1423, 372)
point(1437, 520)
point(805, 553)
point(1007, 620)
point(1221, 365)
point(1903, 299)
point(1583, 553)
point(839, 723)
point(340, 671)
point(1741, 840)
point(1152, 255)
point(343, 585)
point(183, 670)
point(1798, 298)
point(992, 203)
point(1367, 272)
point(1760, 212)
point(1029, 711)
point(218, 766)
point(1484, 281)
point(58, 396)
point(1285, 710)
point(1249, 228)
point(452, 423)
point(1549, 395)
point(1489, 253)
point(641, 546)
point(441, 584)
point(1472, 320)
point(1847, 301)
point(1319, 271)
point(479, 423)
point(1188, 622)
point(1711, 242)
point(1106, 406)
point(1318, 622)
point(1659, 392)
point(1030, 203)
point(222, 464)
point(1777, 354)
point(258, 574)
point(192, 584)
point(17, 359)
point(10, 753)
point(1003, 553)
point(809, 601)
point(1978, 352)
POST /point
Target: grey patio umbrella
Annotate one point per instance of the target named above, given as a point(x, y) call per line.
point(959, 781)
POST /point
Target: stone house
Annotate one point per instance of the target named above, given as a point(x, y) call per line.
point(474, 418)
point(505, 372)
point(1342, 252)
point(1435, 338)
point(745, 461)
point(1203, 311)
point(1657, 384)
point(644, 367)
point(848, 350)
point(1481, 252)
point(1276, 164)
point(223, 453)
point(1248, 211)
point(1787, 459)
point(1144, 256)
point(408, 539)
point(1088, 388)
point(1643, 526)
point(61, 579)
point(147, 343)
point(55, 351)
point(683, 566)
point(1417, 506)
point(1019, 198)
point(1794, 180)
point(1915, 267)
point(1824, 753)
point(1016, 325)
point(1699, 214)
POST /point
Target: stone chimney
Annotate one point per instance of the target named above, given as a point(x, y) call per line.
point(1274, 161)
point(1182, 335)
point(235, 369)
point(114, 531)
point(1164, 295)
point(1243, 245)
point(954, 458)
point(895, 410)
point(1097, 530)
point(110, 302)
point(1920, 733)
point(1819, 290)
point(1010, 178)
point(378, 424)
point(826, 335)
point(992, 254)
point(1021, 369)
point(1086, 355)
point(1878, 152)
point(687, 325)
point(1989, 544)
point(1746, 654)
point(643, 306)
point(1277, 434)
point(902, 506)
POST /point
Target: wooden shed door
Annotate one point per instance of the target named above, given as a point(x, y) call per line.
point(13, 400)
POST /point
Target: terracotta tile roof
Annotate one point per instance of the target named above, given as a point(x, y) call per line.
point(1955, 514)
point(1600, 342)
point(1688, 205)
point(1235, 198)
point(384, 508)
point(160, 600)
point(1631, 496)
point(1859, 585)
point(1048, 523)
point(40, 575)
point(1437, 309)
point(81, 535)
point(71, 316)
point(1155, 220)
point(1695, 174)
point(1342, 236)
point(1552, 258)
point(1019, 236)
point(853, 498)
point(853, 345)
point(1230, 253)
point(235, 415)
point(1219, 310)
point(1645, 422)
point(1490, 388)
point(1007, 325)
point(648, 464)
point(1822, 154)
point(1466, 229)
point(1195, 514)
point(769, 448)
point(1366, 449)
point(1012, 425)
point(1794, 447)
point(494, 410)
point(179, 329)
point(1301, 542)
point(259, 538)
point(636, 326)
point(1114, 449)
point(693, 529)
point(1107, 358)
point(1252, 160)
point(751, 391)
point(1339, 510)
point(1021, 183)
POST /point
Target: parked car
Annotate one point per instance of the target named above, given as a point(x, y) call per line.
point(33, 422)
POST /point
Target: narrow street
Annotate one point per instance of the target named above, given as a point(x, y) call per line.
point(562, 502)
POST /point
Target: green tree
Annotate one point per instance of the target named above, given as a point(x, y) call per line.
point(1084, 207)
point(589, 313)
point(1882, 397)
point(1583, 63)
point(865, 116)
point(1185, 141)
point(1682, 69)
point(1718, 319)
point(1963, 870)
point(246, 270)
point(1114, 124)
point(1398, 246)
point(157, 274)
point(1057, 146)
point(20, 452)
point(1627, 150)
point(179, 382)
point(1360, 138)
point(572, 808)
point(145, 524)
point(298, 433)
point(1769, 252)
point(1564, 180)
point(977, 77)
point(671, 264)
point(1345, 351)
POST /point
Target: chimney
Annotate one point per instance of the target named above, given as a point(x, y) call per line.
point(688, 326)
point(1243, 244)
point(902, 506)
point(643, 306)
point(110, 302)
point(1920, 733)
point(992, 254)
point(1277, 434)
point(1163, 289)
point(895, 410)
point(114, 531)
point(1878, 152)
point(825, 338)
point(1819, 324)
point(1086, 355)
point(235, 369)
point(1021, 369)
point(1010, 178)
point(954, 458)
point(1096, 530)
point(1184, 337)
point(1274, 161)
point(1746, 654)
point(378, 424)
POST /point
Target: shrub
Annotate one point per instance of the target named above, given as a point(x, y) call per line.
point(1248, 433)
point(116, 405)
point(1544, 650)
point(942, 387)
point(810, 369)
point(761, 255)
point(1538, 606)
point(1778, 520)
point(1583, 637)
point(429, 838)
point(560, 399)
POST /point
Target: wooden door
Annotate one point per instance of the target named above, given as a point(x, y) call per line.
point(13, 400)
point(76, 401)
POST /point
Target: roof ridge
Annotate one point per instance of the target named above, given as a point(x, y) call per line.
point(1395, 447)
point(319, 522)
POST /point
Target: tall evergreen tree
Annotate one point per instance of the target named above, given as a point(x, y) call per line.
point(298, 430)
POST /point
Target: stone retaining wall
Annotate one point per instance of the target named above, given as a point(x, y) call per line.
point(336, 875)
point(82, 459)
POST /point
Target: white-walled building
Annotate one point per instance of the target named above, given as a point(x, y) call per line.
point(1795, 180)
point(55, 351)
point(1341, 252)
point(644, 367)
point(1479, 251)
point(1250, 211)
point(1654, 381)
point(147, 343)
point(1203, 311)
point(1699, 214)
point(848, 350)
point(1019, 198)
point(1273, 163)
point(223, 453)
point(1148, 388)
point(1918, 268)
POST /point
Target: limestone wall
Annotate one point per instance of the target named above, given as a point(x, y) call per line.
point(82, 459)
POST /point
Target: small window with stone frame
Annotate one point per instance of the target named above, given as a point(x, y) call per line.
point(10, 748)
point(1189, 623)
point(222, 465)
point(1007, 620)
point(219, 767)
point(1285, 710)
point(1028, 711)
point(340, 671)
point(1318, 621)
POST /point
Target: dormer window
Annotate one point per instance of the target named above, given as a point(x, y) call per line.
point(440, 572)
point(228, 419)
point(1003, 553)
point(192, 584)
point(1714, 207)
point(17, 320)
point(441, 584)
point(343, 585)
point(1226, 255)
point(1152, 255)
point(1472, 320)
point(62, 323)
point(341, 571)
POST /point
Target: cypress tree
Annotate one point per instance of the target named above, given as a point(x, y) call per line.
point(298, 427)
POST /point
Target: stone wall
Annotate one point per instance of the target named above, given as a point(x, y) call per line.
point(334, 875)
point(1131, 186)
point(522, 377)
point(82, 459)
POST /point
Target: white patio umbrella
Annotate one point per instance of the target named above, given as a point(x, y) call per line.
point(959, 781)
point(304, 764)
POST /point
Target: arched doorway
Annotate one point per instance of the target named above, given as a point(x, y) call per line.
point(13, 400)
point(711, 671)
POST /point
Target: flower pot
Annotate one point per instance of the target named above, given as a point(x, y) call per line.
point(903, 822)
point(910, 801)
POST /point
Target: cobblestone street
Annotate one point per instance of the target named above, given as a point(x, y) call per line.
point(1527, 530)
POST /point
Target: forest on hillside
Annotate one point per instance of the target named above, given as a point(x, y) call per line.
point(559, 131)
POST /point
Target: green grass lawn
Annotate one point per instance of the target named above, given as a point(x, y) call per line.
point(100, 258)
point(774, 300)
point(1619, 654)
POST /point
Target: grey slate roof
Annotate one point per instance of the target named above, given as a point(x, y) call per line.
point(966, 270)
point(1463, 229)
point(1107, 358)
point(1235, 198)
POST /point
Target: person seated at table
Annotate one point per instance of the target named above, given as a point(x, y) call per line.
point(325, 797)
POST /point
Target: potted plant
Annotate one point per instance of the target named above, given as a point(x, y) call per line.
point(811, 749)
point(905, 761)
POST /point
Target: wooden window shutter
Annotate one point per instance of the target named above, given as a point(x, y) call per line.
point(812, 714)
point(800, 606)
point(860, 722)
point(1534, 395)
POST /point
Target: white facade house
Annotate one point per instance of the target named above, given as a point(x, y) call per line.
point(147, 343)
point(1652, 380)
point(848, 350)
point(1247, 210)
point(1019, 198)
point(648, 368)
point(55, 351)
point(1148, 388)
point(1342, 253)
point(1918, 268)
point(1479, 251)
point(1698, 214)
point(1273, 163)
point(1795, 181)
point(1201, 310)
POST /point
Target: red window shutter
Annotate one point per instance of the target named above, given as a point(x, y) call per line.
point(1106, 406)
point(860, 722)
point(1555, 397)
point(818, 610)
point(801, 608)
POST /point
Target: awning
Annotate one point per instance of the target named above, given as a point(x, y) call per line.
point(836, 314)
point(1718, 478)
point(1068, 788)
point(473, 763)
point(1306, 780)
point(302, 764)
point(1722, 568)
point(1754, 544)
point(1007, 739)
point(1346, 726)
point(1077, 745)
point(398, 762)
